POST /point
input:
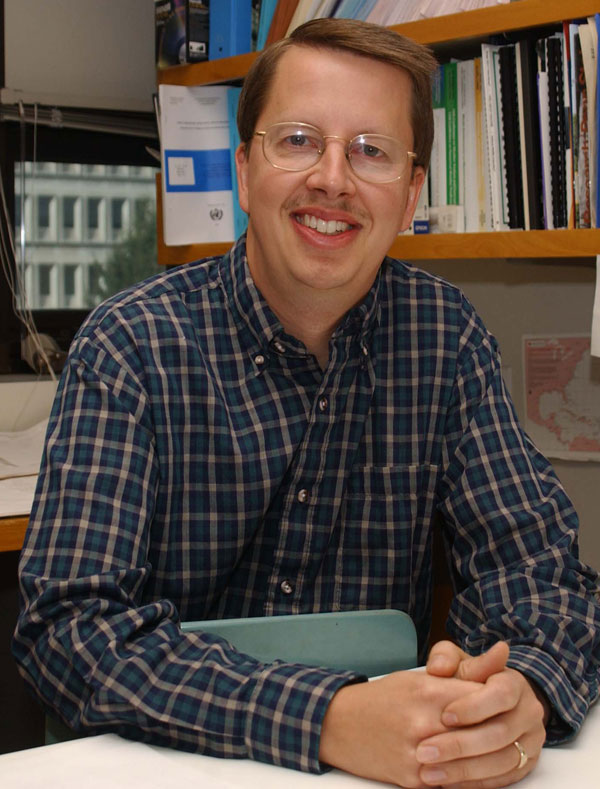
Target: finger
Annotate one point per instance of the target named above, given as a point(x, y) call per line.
point(500, 693)
point(444, 659)
point(499, 768)
point(475, 741)
point(478, 669)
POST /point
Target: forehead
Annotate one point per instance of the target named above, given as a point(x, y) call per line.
point(335, 88)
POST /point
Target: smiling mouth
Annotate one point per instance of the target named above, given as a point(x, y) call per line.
point(329, 228)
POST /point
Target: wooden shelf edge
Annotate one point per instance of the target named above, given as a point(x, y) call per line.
point(495, 19)
point(501, 244)
point(12, 533)
point(448, 246)
point(208, 72)
point(437, 30)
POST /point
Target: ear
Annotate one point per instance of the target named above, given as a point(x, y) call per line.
point(241, 167)
point(414, 190)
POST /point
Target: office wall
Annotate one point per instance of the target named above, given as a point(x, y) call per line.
point(524, 297)
point(81, 53)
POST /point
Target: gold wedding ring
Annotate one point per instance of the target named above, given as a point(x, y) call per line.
point(523, 758)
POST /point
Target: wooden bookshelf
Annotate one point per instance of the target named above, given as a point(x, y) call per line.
point(438, 30)
point(457, 28)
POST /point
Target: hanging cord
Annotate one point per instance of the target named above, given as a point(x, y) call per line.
point(14, 270)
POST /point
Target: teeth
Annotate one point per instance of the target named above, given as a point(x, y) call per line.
point(321, 226)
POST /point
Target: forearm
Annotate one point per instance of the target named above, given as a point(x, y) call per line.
point(136, 673)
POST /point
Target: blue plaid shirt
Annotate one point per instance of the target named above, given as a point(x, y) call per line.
point(199, 464)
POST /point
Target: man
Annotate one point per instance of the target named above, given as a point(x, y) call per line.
point(272, 432)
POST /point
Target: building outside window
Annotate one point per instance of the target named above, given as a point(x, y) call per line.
point(44, 203)
point(98, 211)
point(69, 281)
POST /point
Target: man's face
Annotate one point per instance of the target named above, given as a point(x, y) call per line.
point(345, 95)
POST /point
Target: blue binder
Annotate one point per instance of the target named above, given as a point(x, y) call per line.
point(229, 28)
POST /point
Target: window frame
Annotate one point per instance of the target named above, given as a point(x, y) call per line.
point(66, 146)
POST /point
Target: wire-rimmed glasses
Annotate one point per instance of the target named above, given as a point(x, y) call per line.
point(297, 146)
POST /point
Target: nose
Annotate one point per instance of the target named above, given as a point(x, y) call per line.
point(332, 174)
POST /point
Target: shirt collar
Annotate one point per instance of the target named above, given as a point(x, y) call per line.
point(252, 311)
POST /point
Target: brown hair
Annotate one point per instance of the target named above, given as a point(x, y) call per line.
point(361, 38)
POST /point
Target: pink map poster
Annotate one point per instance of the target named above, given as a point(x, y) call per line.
point(562, 396)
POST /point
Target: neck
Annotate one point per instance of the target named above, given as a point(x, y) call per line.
point(309, 315)
point(311, 323)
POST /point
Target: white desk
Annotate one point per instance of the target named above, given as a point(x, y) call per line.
point(109, 761)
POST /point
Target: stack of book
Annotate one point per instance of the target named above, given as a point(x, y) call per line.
point(516, 141)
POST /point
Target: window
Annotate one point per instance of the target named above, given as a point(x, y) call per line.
point(43, 215)
point(44, 280)
point(69, 213)
point(69, 273)
point(77, 245)
point(93, 216)
point(117, 207)
point(114, 251)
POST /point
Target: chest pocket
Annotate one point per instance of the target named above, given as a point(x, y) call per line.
point(384, 534)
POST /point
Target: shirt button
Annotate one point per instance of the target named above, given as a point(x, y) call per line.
point(286, 587)
point(303, 496)
point(323, 404)
point(259, 359)
point(279, 346)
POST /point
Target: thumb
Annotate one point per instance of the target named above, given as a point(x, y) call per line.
point(480, 668)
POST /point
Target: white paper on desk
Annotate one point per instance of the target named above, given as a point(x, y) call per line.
point(21, 451)
point(595, 344)
point(16, 496)
point(196, 169)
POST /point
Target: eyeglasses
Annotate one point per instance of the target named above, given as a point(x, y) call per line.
point(298, 146)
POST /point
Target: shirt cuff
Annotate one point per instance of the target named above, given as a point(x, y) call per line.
point(568, 707)
point(286, 711)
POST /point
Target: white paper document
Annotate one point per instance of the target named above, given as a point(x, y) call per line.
point(21, 451)
point(196, 167)
point(16, 496)
point(20, 456)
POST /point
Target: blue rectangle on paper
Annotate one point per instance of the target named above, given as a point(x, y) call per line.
point(198, 171)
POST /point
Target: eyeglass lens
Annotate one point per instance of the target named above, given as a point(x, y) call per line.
point(299, 146)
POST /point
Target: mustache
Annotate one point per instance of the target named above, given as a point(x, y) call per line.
point(310, 201)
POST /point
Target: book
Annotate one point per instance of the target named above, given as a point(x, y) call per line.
point(596, 122)
point(544, 110)
point(493, 124)
point(588, 41)
point(451, 106)
point(484, 204)
point(529, 134)
point(281, 20)
point(511, 136)
point(467, 144)
point(196, 166)
point(305, 10)
point(437, 167)
point(229, 28)
point(554, 61)
point(580, 137)
point(568, 124)
point(181, 32)
point(267, 9)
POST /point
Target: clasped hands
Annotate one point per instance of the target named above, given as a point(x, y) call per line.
point(453, 725)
